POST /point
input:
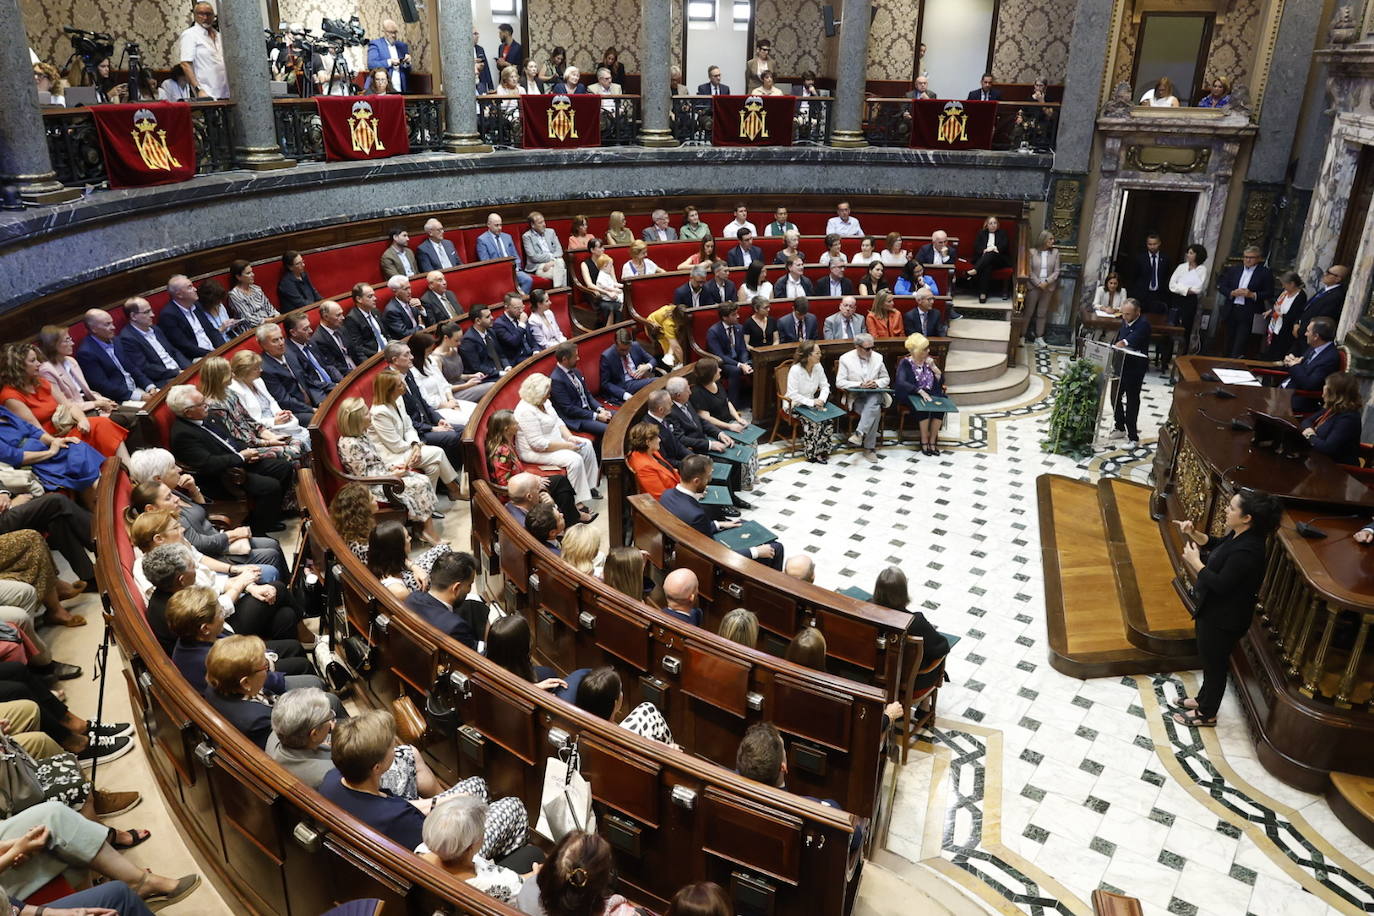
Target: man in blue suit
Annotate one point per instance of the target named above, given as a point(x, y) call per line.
point(725, 340)
point(480, 350)
point(924, 318)
point(512, 329)
point(494, 244)
point(1246, 291)
point(720, 288)
point(713, 85)
point(436, 252)
point(316, 372)
point(391, 54)
point(684, 501)
point(100, 363)
point(446, 604)
point(571, 397)
point(799, 324)
point(626, 367)
point(185, 324)
point(403, 315)
point(746, 252)
point(1134, 334)
point(143, 351)
point(284, 379)
point(1309, 371)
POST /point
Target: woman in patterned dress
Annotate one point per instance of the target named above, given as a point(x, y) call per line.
point(225, 404)
point(247, 298)
point(361, 459)
point(807, 386)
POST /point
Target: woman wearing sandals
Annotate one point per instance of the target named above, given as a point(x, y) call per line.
point(1224, 593)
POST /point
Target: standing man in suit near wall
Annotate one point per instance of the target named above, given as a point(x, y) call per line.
point(494, 244)
point(330, 342)
point(1152, 272)
point(363, 326)
point(1328, 300)
point(985, 92)
point(142, 349)
point(1134, 334)
point(436, 252)
point(1246, 291)
point(713, 85)
point(391, 54)
point(185, 324)
point(398, 260)
point(484, 80)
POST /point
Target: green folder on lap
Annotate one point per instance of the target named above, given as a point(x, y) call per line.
point(749, 534)
point(819, 414)
point(720, 471)
point(938, 404)
point(717, 496)
point(736, 454)
point(749, 435)
point(869, 390)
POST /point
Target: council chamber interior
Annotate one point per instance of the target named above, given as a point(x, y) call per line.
point(687, 457)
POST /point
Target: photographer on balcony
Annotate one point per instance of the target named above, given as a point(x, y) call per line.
point(391, 54)
point(202, 59)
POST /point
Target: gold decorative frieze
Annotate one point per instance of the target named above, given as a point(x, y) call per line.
point(1178, 160)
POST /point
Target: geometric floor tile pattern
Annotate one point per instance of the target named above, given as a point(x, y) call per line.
point(1036, 788)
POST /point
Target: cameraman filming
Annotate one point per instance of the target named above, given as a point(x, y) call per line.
point(391, 54)
point(201, 58)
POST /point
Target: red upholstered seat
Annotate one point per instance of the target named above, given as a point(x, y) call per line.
point(123, 546)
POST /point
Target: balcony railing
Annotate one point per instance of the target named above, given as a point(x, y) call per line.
point(78, 160)
point(1025, 126)
point(498, 120)
point(300, 137)
point(691, 120)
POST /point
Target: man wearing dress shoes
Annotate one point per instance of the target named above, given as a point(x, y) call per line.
point(684, 502)
point(436, 252)
point(1246, 290)
point(1134, 334)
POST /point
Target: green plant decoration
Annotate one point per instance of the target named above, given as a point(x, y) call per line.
point(1073, 421)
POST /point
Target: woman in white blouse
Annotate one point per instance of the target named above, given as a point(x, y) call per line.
point(807, 386)
point(64, 372)
point(248, 386)
point(395, 437)
point(1162, 95)
point(543, 322)
point(639, 263)
point(542, 438)
point(1188, 281)
point(832, 251)
point(867, 252)
point(893, 255)
point(755, 284)
point(434, 388)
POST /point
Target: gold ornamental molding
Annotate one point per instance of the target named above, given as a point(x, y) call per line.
point(1170, 159)
point(1264, 57)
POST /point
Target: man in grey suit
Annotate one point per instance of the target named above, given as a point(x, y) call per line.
point(398, 260)
point(660, 231)
point(543, 251)
point(436, 252)
point(845, 323)
point(439, 302)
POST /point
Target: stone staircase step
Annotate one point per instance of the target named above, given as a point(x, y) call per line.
point(1004, 386)
point(979, 334)
point(965, 367)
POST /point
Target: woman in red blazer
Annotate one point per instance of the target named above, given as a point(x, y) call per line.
point(653, 473)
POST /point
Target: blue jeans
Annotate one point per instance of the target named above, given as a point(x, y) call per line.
point(114, 895)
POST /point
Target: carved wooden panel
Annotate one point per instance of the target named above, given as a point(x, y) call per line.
point(759, 838)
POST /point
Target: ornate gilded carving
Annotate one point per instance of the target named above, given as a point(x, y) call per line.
point(1167, 159)
point(1192, 483)
point(1066, 202)
point(1257, 218)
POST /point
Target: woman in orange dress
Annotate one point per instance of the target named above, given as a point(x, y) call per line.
point(653, 473)
point(883, 320)
point(33, 398)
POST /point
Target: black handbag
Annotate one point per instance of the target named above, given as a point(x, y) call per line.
point(359, 654)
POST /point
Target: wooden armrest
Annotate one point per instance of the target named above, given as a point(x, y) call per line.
point(391, 486)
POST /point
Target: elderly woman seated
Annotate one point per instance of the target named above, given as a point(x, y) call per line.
point(542, 438)
point(454, 834)
point(364, 749)
point(653, 472)
point(237, 672)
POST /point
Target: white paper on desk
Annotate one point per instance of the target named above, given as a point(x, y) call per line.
point(1102, 314)
point(1236, 377)
point(1132, 352)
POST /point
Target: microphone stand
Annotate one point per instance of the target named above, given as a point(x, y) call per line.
point(102, 659)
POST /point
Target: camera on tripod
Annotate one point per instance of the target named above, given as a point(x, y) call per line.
point(91, 47)
point(350, 32)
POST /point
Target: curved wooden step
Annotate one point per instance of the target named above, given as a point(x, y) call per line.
point(1352, 801)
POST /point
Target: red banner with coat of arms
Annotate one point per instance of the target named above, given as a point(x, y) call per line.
point(752, 120)
point(363, 126)
point(560, 121)
point(952, 124)
point(146, 143)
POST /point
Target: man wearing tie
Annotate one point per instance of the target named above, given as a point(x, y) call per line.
point(363, 326)
point(844, 324)
point(837, 284)
point(439, 302)
point(143, 350)
point(285, 381)
point(105, 370)
point(318, 377)
point(436, 252)
point(494, 244)
point(571, 399)
point(329, 342)
point(1152, 271)
point(925, 317)
point(391, 54)
point(403, 315)
point(398, 259)
point(713, 85)
point(1247, 290)
point(985, 92)
point(1134, 334)
point(799, 324)
point(479, 348)
point(684, 501)
point(626, 367)
point(185, 324)
point(512, 330)
point(725, 340)
point(1309, 371)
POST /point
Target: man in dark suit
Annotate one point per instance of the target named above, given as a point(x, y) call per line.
point(680, 589)
point(285, 380)
point(329, 341)
point(924, 318)
point(794, 284)
point(508, 53)
point(512, 329)
point(571, 396)
point(656, 411)
point(403, 315)
point(939, 250)
point(314, 371)
point(1309, 371)
point(391, 54)
point(362, 329)
point(985, 92)
point(835, 282)
point(208, 451)
point(100, 361)
point(713, 85)
point(185, 324)
point(1134, 334)
point(446, 605)
point(684, 502)
point(1152, 270)
point(693, 293)
point(479, 349)
point(725, 340)
point(436, 252)
point(432, 428)
point(626, 367)
point(143, 350)
point(1328, 301)
point(1246, 291)
point(799, 324)
point(694, 434)
point(744, 253)
point(485, 85)
point(440, 304)
point(719, 289)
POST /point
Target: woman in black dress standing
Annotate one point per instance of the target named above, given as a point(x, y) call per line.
point(1224, 593)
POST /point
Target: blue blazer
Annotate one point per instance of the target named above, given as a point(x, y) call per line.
point(101, 372)
point(285, 387)
point(787, 328)
point(687, 510)
point(316, 386)
point(139, 358)
point(905, 384)
point(711, 294)
point(177, 330)
point(378, 56)
point(477, 359)
point(251, 718)
point(423, 417)
point(489, 248)
point(397, 321)
point(683, 295)
point(565, 398)
point(426, 259)
point(437, 613)
point(1310, 375)
point(735, 258)
point(718, 342)
point(516, 342)
point(1137, 335)
point(1261, 284)
point(615, 383)
point(1338, 437)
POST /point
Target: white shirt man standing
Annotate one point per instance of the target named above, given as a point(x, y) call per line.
point(201, 57)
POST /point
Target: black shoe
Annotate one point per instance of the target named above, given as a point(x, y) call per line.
point(436, 514)
point(109, 729)
point(58, 671)
point(596, 494)
point(742, 504)
point(105, 749)
point(279, 526)
point(729, 511)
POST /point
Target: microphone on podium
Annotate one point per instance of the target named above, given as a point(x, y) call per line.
point(1310, 530)
point(1234, 423)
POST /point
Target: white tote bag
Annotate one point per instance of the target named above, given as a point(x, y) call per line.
point(566, 802)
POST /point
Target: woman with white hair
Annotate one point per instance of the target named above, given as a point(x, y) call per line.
point(571, 83)
point(453, 835)
point(246, 366)
point(542, 438)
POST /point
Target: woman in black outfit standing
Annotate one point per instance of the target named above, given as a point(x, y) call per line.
point(1224, 594)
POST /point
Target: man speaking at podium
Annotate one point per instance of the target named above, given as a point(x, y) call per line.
point(1133, 335)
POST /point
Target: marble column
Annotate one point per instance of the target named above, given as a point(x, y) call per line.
point(1288, 70)
point(459, 78)
point(25, 167)
point(846, 128)
point(1092, 23)
point(656, 58)
point(253, 130)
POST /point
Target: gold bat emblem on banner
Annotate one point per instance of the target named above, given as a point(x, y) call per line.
point(362, 129)
point(562, 123)
point(151, 143)
point(953, 124)
point(753, 124)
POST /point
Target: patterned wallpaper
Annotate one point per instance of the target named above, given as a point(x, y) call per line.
point(155, 26)
point(892, 40)
point(794, 28)
point(1032, 40)
point(586, 29)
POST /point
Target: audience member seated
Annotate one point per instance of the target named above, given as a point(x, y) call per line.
point(893, 254)
point(709, 398)
point(497, 244)
point(1335, 429)
point(807, 386)
point(64, 373)
point(800, 566)
point(305, 359)
point(398, 260)
point(436, 252)
point(205, 448)
point(639, 264)
point(598, 277)
point(572, 400)
point(680, 593)
point(1309, 371)
point(65, 525)
point(578, 236)
point(913, 279)
point(670, 323)
point(439, 302)
point(247, 298)
point(726, 340)
point(874, 280)
point(509, 646)
point(543, 438)
point(33, 398)
point(918, 376)
point(294, 289)
point(270, 389)
point(762, 757)
point(746, 252)
point(842, 224)
point(403, 315)
point(244, 407)
point(807, 649)
point(1161, 95)
point(617, 233)
point(59, 462)
point(480, 350)
point(582, 548)
point(27, 576)
point(890, 591)
point(794, 285)
point(543, 253)
point(742, 626)
point(237, 673)
point(845, 323)
point(575, 881)
point(600, 694)
point(395, 436)
point(543, 322)
point(626, 367)
point(185, 324)
point(798, 324)
point(1218, 96)
point(925, 318)
point(329, 341)
point(302, 720)
point(693, 294)
point(868, 252)
point(546, 525)
point(513, 331)
point(138, 360)
point(833, 253)
point(704, 255)
point(432, 385)
point(859, 371)
point(433, 428)
point(445, 604)
point(720, 288)
point(453, 838)
point(210, 297)
point(360, 457)
point(884, 320)
point(704, 898)
point(790, 248)
point(387, 555)
point(653, 472)
point(939, 250)
point(447, 359)
point(991, 252)
point(362, 328)
point(684, 502)
point(684, 422)
point(755, 285)
point(504, 465)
